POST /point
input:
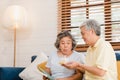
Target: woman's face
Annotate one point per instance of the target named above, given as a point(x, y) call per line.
point(65, 45)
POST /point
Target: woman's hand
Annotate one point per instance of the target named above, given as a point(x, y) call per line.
point(45, 78)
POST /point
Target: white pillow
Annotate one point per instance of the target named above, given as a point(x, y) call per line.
point(31, 72)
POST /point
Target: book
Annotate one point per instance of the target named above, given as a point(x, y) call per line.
point(41, 68)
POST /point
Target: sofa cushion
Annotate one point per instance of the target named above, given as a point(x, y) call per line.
point(10, 73)
point(31, 72)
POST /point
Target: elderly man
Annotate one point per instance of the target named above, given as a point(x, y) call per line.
point(100, 59)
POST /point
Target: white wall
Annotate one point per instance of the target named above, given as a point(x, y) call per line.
point(39, 36)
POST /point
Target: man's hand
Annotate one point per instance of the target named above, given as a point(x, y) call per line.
point(71, 65)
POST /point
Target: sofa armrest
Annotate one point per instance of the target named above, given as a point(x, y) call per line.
point(118, 64)
point(117, 56)
point(33, 58)
point(10, 73)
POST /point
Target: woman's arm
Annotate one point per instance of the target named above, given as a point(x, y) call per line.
point(77, 76)
point(48, 71)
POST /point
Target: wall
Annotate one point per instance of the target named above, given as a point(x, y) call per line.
point(39, 35)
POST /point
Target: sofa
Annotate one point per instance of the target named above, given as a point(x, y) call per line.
point(118, 64)
point(11, 73)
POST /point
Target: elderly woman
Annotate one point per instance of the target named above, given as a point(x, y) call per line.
point(65, 45)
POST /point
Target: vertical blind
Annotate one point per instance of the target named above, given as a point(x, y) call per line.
point(71, 13)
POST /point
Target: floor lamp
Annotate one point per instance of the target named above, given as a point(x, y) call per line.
point(14, 63)
point(14, 18)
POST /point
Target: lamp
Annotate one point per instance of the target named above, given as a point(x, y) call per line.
point(14, 18)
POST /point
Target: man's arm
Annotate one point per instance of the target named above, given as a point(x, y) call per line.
point(94, 70)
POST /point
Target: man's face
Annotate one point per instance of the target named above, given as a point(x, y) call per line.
point(86, 35)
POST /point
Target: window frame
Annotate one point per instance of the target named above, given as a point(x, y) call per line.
point(63, 21)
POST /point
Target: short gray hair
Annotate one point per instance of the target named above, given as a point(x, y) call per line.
point(62, 35)
point(92, 24)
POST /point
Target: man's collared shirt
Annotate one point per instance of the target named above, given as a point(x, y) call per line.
point(101, 55)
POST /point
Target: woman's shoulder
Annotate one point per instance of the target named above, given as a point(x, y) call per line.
point(79, 54)
point(75, 51)
point(53, 53)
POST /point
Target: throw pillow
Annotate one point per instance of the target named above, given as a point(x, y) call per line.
point(31, 72)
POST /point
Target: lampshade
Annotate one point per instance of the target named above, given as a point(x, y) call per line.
point(15, 16)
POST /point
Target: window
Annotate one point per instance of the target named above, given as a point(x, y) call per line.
point(72, 12)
